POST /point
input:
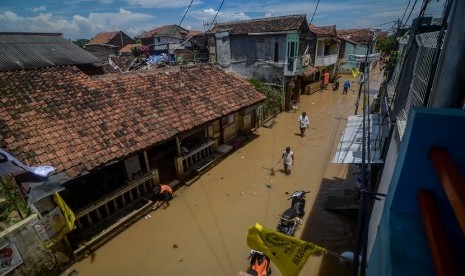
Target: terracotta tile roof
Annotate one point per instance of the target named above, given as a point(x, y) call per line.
point(61, 117)
point(310, 70)
point(355, 35)
point(263, 25)
point(323, 30)
point(192, 32)
point(103, 38)
point(127, 48)
point(166, 30)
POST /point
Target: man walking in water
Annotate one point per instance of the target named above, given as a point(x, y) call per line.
point(346, 87)
point(304, 123)
point(288, 157)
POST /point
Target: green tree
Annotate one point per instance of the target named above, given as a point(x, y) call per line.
point(81, 42)
point(13, 206)
point(388, 48)
point(273, 96)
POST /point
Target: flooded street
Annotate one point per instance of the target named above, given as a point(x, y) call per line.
point(204, 230)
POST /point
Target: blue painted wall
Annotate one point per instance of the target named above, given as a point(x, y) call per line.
point(400, 246)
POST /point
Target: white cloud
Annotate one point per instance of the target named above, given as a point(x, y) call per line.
point(78, 26)
point(39, 9)
point(206, 16)
point(162, 3)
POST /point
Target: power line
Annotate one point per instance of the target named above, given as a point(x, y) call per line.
point(314, 11)
point(214, 18)
point(405, 11)
point(182, 19)
point(414, 4)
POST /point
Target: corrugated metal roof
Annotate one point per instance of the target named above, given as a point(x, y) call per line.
point(36, 50)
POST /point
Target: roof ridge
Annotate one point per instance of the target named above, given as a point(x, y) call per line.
point(262, 19)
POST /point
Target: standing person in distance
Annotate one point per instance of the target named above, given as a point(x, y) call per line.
point(304, 123)
point(288, 157)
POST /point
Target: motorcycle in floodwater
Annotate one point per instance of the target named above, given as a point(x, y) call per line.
point(289, 222)
point(292, 217)
point(298, 202)
point(259, 263)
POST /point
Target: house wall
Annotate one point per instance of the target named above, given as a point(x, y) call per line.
point(351, 49)
point(254, 57)
point(133, 167)
point(36, 261)
point(101, 51)
point(230, 131)
point(223, 50)
point(121, 40)
point(214, 130)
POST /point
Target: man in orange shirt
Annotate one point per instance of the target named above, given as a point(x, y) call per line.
point(163, 194)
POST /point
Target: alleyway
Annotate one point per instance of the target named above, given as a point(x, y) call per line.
point(203, 231)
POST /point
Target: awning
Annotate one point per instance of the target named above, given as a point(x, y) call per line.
point(350, 147)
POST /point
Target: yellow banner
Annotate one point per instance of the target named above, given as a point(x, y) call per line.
point(67, 212)
point(289, 254)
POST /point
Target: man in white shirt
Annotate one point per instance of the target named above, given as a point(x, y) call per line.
point(304, 123)
point(288, 157)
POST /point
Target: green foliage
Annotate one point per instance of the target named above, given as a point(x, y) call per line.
point(81, 42)
point(388, 49)
point(273, 96)
point(137, 39)
point(11, 202)
point(386, 45)
point(135, 51)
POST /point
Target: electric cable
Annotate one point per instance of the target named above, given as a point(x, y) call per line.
point(214, 18)
point(405, 11)
point(314, 11)
point(411, 10)
point(182, 19)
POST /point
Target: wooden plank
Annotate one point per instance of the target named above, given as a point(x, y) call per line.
point(437, 240)
point(452, 182)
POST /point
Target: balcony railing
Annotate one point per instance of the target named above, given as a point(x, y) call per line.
point(200, 157)
point(326, 60)
point(93, 219)
point(293, 65)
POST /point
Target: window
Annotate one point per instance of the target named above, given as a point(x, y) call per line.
point(291, 55)
point(228, 120)
point(276, 51)
point(292, 51)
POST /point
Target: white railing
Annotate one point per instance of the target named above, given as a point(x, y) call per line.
point(197, 156)
point(326, 60)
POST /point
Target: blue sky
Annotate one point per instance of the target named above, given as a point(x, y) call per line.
point(85, 18)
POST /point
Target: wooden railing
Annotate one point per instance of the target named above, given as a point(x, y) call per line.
point(198, 156)
point(114, 203)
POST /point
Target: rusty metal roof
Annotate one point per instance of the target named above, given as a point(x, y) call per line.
point(37, 50)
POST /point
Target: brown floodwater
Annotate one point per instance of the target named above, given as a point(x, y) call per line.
point(204, 230)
